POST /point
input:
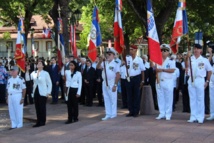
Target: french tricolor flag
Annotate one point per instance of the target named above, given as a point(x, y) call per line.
point(118, 28)
point(180, 26)
point(20, 44)
point(95, 36)
point(153, 40)
point(46, 32)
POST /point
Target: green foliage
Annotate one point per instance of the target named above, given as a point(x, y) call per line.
point(6, 36)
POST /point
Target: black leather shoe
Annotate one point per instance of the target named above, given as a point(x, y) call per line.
point(129, 115)
point(76, 120)
point(36, 125)
point(68, 122)
point(135, 115)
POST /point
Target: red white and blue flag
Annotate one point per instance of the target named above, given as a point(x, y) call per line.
point(118, 28)
point(180, 26)
point(95, 36)
point(20, 44)
point(153, 40)
point(61, 47)
point(46, 32)
point(73, 40)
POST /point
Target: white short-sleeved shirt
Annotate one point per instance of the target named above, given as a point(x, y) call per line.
point(136, 65)
point(212, 76)
point(111, 69)
point(123, 73)
point(200, 66)
point(16, 85)
point(167, 64)
point(176, 75)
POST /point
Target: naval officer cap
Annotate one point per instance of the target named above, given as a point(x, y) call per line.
point(198, 46)
point(165, 46)
point(111, 50)
point(14, 68)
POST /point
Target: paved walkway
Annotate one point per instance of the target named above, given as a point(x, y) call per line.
point(90, 128)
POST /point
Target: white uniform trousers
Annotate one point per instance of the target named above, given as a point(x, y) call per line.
point(211, 92)
point(196, 96)
point(15, 110)
point(110, 100)
point(165, 97)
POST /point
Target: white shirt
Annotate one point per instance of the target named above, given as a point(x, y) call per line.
point(15, 85)
point(200, 66)
point(75, 81)
point(147, 65)
point(27, 76)
point(94, 65)
point(111, 69)
point(176, 75)
point(123, 73)
point(167, 64)
point(136, 65)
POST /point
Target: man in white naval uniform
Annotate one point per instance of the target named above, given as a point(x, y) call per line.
point(200, 67)
point(164, 84)
point(16, 89)
point(111, 74)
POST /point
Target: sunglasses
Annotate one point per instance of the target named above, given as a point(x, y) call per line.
point(164, 50)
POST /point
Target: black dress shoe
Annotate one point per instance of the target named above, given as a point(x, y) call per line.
point(68, 122)
point(129, 115)
point(11, 128)
point(36, 125)
point(135, 115)
point(76, 120)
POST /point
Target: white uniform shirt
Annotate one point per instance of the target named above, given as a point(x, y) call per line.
point(200, 66)
point(123, 73)
point(167, 64)
point(111, 69)
point(176, 75)
point(75, 81)
point(27, 76)
point(136, 66)
point(15, 85)
point(147, 65)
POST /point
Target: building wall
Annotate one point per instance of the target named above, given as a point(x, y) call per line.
point(43, 45)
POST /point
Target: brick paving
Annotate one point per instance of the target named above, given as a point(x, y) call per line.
point(90, 128)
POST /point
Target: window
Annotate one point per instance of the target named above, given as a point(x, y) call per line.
point(9, 45)
point(36, 45)
point(48, 45)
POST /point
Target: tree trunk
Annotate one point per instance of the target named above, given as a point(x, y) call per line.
point(64, 15)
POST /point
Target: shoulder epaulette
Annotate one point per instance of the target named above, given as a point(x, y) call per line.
point(21, 77)
point(116, 62)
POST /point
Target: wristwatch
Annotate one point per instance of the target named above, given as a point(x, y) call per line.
point(207, 81)
point(115, 85)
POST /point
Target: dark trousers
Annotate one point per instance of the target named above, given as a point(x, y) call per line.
point(185, 94)
point(207, 100)
point(89, 94)
point(133, 94)
point(72, 105)
point(124, 93)
point(175, 97)
point(82, 97)
point(61, 85)
point(55, 92)
point(40, 105)
point(28, 96)
point(154, 94)
point(99, 92)
point(2, 93)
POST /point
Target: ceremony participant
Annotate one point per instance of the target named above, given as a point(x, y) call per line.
point(136, 73)
point(110, 77)
point(81, 69)
point(200, 67)
point(3, 79)
point(164, 84)
point(88, 78)
point(73, 85)
point(16, 90)
point(41, 89)
point(55, 78)
point(123, 80)
point(146, 72)
point(211, 87)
